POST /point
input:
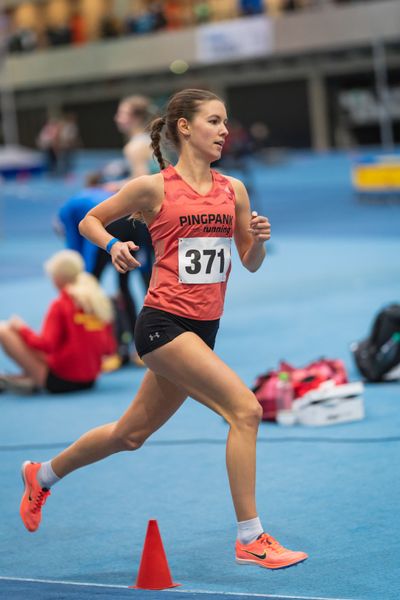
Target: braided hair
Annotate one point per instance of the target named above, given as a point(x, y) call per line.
point(155, 135)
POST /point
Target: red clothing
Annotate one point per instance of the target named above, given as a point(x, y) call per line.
point(192, 236)
point(78, 29)
point(74, 342)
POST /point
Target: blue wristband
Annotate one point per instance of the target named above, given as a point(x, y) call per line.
point(111, 244)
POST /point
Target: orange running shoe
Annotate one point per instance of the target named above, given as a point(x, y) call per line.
point(34, 496)
point(267, 552)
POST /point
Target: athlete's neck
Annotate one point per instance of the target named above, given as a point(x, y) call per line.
point(195, 172)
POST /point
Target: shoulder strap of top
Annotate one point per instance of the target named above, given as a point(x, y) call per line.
point(224, 184)
point(169, 174)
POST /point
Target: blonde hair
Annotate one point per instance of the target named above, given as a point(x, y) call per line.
point(64, 266)
point(90, 297)
point(67, 269)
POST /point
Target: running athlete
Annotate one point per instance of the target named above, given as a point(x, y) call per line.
point(192, 213)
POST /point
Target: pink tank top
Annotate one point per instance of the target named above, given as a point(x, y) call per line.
point(192, 237)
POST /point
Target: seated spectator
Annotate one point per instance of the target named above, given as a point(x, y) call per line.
point(173, 14)
point(290, 5)
point(76, 334)
point(293, 5)
point(109, 26)
point(144, 22)
point(78, 27)
point(251, 7)
point(139, 20)
point(5, 26)
point(130, 21)
point(158, 14)
point(23, 40)
point(221, 11)
point(276, 7)
point(201, 11)
point(59, 35)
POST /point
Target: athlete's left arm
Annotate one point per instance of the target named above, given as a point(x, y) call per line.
point(251, 230)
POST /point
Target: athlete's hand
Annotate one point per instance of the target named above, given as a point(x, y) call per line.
point(260, 228)
point(121, 256)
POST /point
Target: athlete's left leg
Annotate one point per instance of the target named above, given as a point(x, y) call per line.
point(155, 402)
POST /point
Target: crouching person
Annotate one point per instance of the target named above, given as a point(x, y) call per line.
point(76, 334)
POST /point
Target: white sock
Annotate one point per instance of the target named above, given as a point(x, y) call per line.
point(248, 531)
point(46, 476)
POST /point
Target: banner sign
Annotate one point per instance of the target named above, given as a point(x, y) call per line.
point(232, 40)
point(377, 173)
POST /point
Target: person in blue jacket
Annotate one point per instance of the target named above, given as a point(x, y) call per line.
point(73, 211)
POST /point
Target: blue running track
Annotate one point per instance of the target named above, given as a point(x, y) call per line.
point(333, 491)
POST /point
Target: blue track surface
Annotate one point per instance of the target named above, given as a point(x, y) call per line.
point(329, 491)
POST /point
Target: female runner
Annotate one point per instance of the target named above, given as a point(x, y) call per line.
point(192, 213)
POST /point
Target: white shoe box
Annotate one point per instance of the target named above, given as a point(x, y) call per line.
point(331, 404)
point(329, 412)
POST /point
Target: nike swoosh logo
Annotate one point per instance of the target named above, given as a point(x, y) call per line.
point(261, 556)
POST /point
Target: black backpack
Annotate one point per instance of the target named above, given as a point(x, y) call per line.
point(380, 352)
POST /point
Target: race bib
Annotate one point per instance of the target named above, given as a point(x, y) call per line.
point(203, 259)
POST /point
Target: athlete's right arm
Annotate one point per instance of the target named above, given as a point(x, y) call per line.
point(141, 194)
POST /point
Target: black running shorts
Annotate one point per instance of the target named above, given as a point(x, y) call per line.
point(57, 385)
point(155, 327)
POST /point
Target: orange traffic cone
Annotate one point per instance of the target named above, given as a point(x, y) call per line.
point(154, 573)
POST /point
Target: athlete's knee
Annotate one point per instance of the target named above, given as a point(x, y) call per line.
point(252, 415)
point(249, 413)
point(127, 441)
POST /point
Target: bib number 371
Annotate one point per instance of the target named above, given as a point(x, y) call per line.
point(204, 260)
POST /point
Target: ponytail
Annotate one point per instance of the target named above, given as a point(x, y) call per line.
point(156, 127)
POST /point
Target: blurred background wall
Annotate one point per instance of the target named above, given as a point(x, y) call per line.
point(319, 73)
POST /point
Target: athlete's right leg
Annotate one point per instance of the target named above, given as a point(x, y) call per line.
point(190, 363)
point(156, 401)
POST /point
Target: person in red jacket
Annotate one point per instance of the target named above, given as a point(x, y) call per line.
point(67, 354)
